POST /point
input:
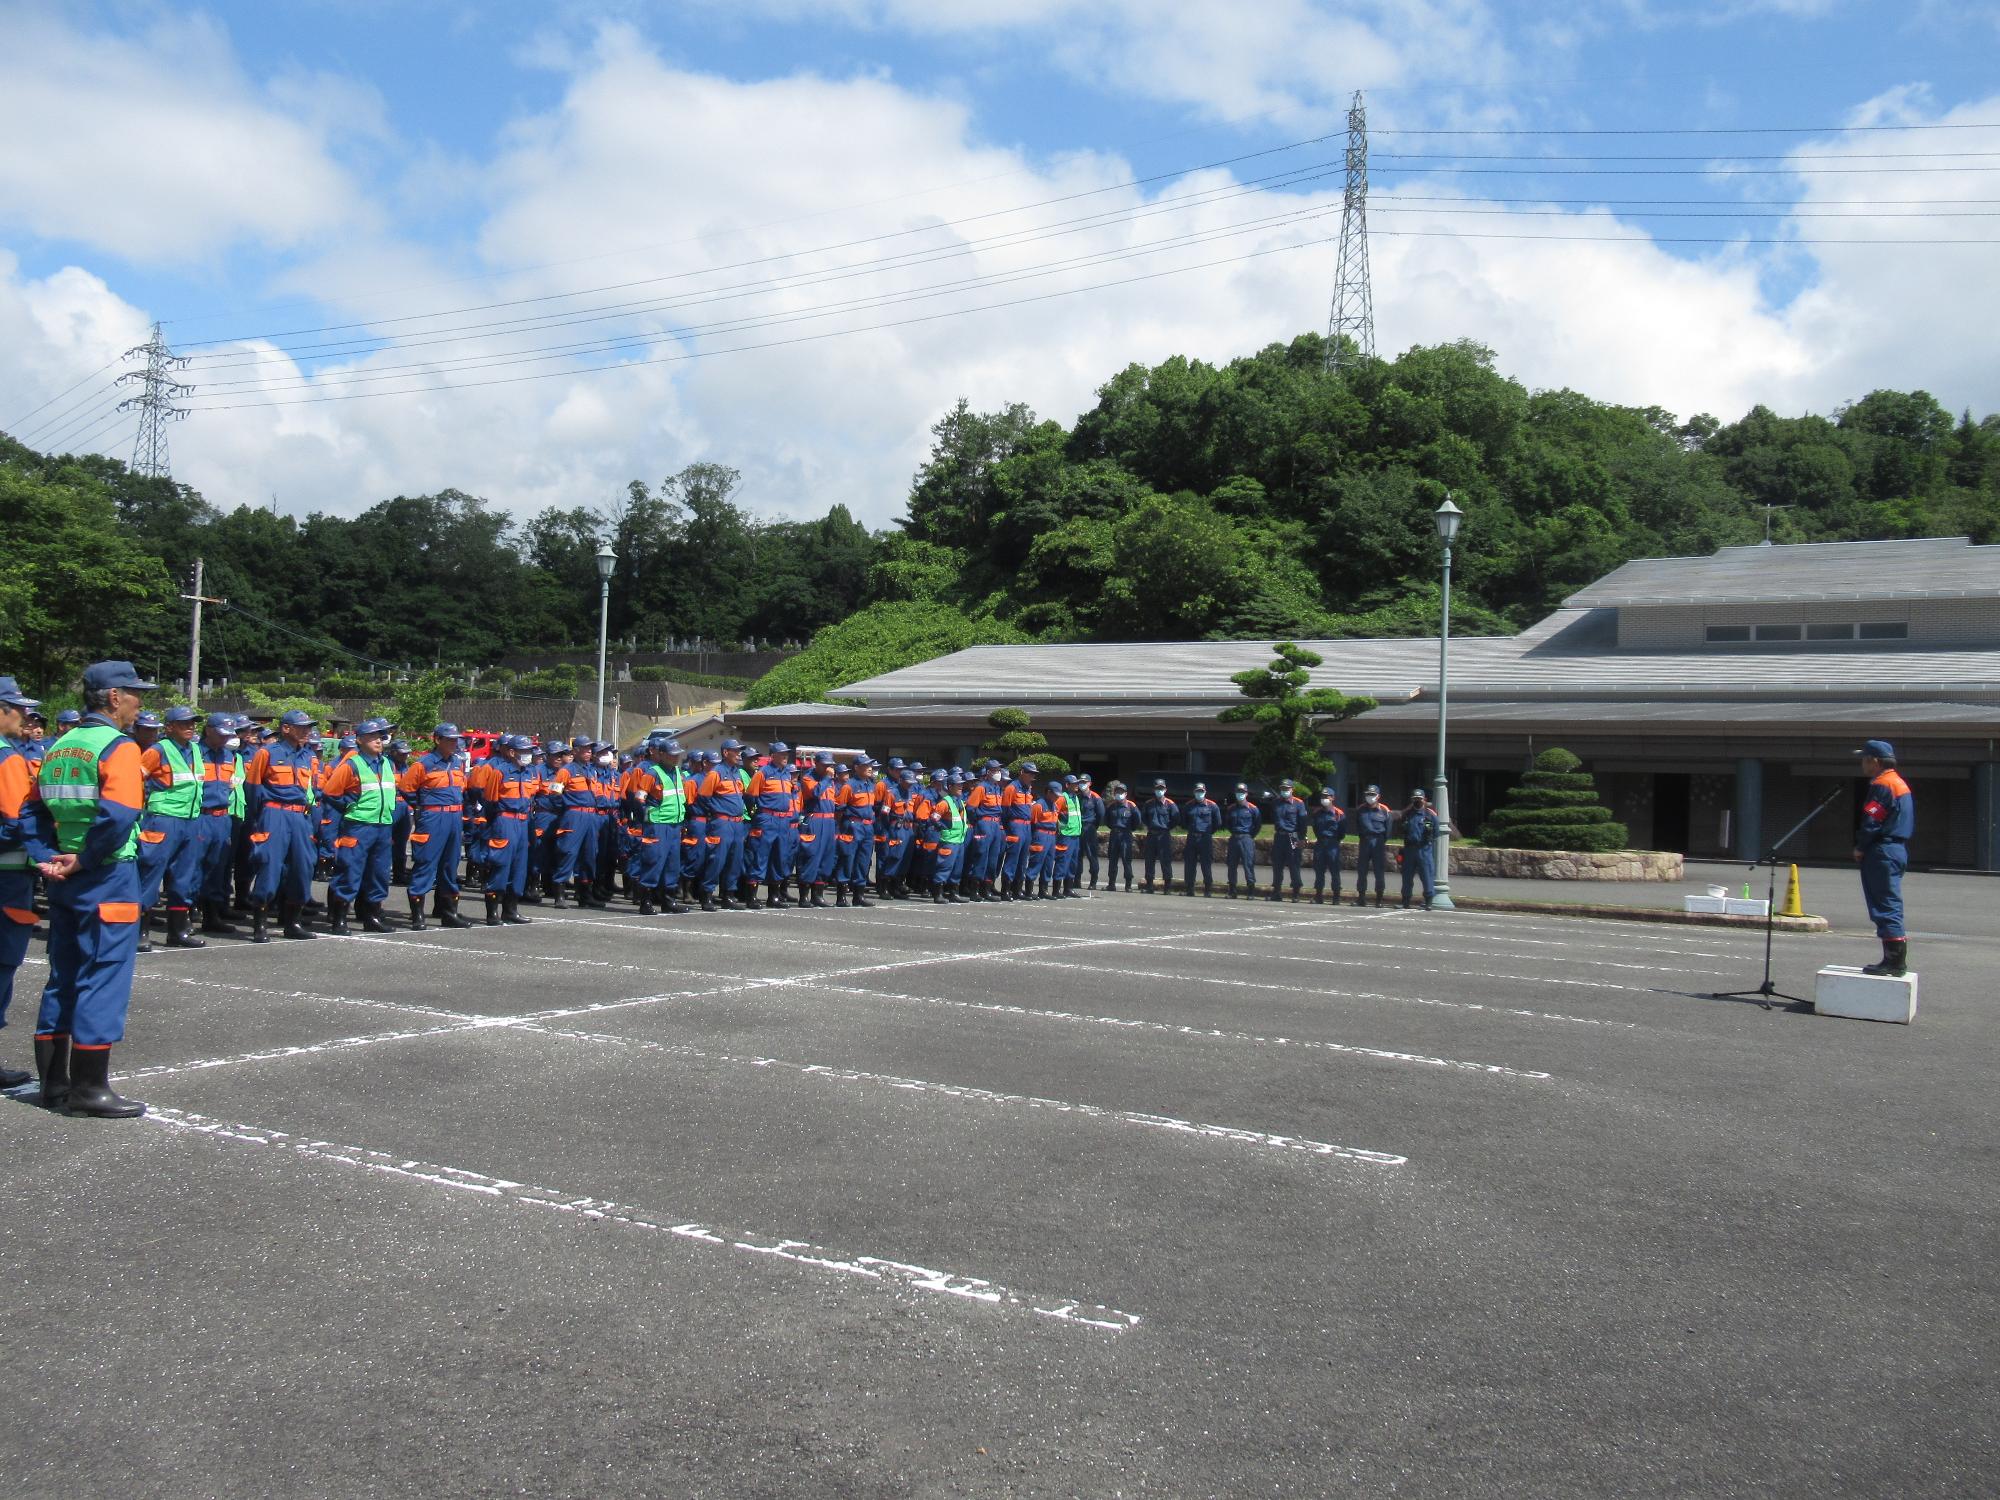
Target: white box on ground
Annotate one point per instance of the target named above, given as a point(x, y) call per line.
point(1739, 906)
point(1705, 905)
point(1844, 990)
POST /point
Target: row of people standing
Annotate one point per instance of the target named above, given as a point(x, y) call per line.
point(1300, 819)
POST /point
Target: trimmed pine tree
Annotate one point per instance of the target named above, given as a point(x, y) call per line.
point(1556, 806)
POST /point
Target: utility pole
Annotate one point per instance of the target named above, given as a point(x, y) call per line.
point(1353, 298)
point(155, 402)
point(194, 637)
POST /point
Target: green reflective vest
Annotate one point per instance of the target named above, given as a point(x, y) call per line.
point(1069, 822)
point(237, 795)
point(68, 785)
point(375, 803)
point(953, 831)
point(673, 804)
point(181, 798)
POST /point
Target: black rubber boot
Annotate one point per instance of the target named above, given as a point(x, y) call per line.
point(937, 895)
point(371, 917)
point(493, 909)
point(510, 910)
point(450, 917)
point(146, 931)
point(215, 919)
point(1895, 962)
point(708, 902)
point(416, 913)
point(772, 900)
point(52, 1065)
point(336, 917)
point(294, 927)
point(90, 1087)
point(1232, 890)
point(646, 904)
point(556, 897)
point(859, 887)
point(819, 896)
point(260, 925)
point(14, 1078)
point(1208, 888)
point(180, 924)
point(840, 894)
point(669, 905)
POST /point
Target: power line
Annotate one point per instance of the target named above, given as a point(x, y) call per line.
point(1778, 156)
point(1690, 130)
point(1707, 239)
point(1717, 168)
point(60, 394)
point(154, 403)
point(51, 440)
point(56, 421)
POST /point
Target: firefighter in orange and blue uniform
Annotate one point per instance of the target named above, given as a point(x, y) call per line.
point(720, 795)
point(773, 839)
point(84, 837)
point(1882, 849)
point(221, 809)
point(362, 790)
point(820, 795)
point(170, 829)
point(17, 870)
point(855, 831)
point(435, 784)
point(281, 788)
point(504, 786)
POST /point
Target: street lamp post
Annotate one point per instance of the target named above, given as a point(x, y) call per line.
point(606, 561)
point(1448, 517)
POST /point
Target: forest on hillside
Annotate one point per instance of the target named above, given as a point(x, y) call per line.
point(1262, 498)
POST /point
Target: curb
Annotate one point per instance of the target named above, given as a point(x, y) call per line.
point(1637, 914)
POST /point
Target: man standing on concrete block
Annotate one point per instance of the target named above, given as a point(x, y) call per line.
point(1881, 848)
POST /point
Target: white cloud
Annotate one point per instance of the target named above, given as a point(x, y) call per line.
point(156, 148)
point(710, 172)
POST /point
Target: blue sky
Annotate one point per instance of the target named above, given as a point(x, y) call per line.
point(243, 170)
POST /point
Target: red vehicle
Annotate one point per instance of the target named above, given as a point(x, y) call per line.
point(478, 743)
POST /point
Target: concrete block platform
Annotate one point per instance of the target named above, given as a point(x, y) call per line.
point(1843, 990)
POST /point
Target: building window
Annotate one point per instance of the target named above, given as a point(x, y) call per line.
point(1887, 630)
point(1723, 635)
point(1829, 632)
point(1781, 632)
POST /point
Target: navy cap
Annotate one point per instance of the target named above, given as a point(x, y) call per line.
point(1288, 783)
point(824, 758)
point(373, 726)
point(296, 718)
point(347, 742)
point(1069, 781)
point(247, 725)
point(1880, 749)
point(114, 674)
point(1371, 791)
point(222, 723)
point(732, 744)
point(994, 765)
point(1029, 768)
point(13, 697)
point(1083, 778)
point(557, 747)
point(401, 747)
point(180, 713)
point(940, 777)
point(779, 747)
point(1159, 786)
point(895, 762)
point(1417, 794)
point(148, 720)
point(445, 732)
point(863, 760)
point(336, 719)
point(68, 717)
point(668, 747)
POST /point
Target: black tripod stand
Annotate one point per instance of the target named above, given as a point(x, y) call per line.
point(1768, 990)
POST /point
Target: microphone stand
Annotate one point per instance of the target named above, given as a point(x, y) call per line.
point(1768, 990)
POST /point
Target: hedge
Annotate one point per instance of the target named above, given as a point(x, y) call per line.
point(1555, 807)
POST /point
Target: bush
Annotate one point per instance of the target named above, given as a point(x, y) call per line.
point(347, 687)
point(722, 684)
point(1016, 743)
point(1555, 807)
point(872, 641)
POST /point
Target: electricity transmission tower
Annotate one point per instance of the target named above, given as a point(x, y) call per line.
point(1353, 299)
point(155, 402)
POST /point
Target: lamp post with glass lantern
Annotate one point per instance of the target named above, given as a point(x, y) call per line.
point(1448, 518)
point(606, 561)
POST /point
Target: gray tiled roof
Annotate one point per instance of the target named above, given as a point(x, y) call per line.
point(1931, 568)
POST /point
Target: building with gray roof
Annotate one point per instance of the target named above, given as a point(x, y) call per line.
point(1715, 698)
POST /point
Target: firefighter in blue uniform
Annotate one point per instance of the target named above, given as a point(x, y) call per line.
point(1371, 820)
point(406, 820)
point(1121, 822)
point(1420, 831)
point(1093, 819)
point(505, 786)
point(1289, 815)
point(1159, 814)
point(361, 788)
point(1329, 828)
point(1242, 819)
point(84, 838)
point(1882, 849)
point(1201, 820)
point(660, 793)
point(221, 807)
point(170, 830)
point(18, 753)
point(855, 832)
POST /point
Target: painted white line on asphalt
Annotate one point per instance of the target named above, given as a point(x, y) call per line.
point(267, 1054)
point(1455, 949)
point(1279, 956)
point(881, 1270)
point(1168, 1028)
point(1318, 992)
point(1232, 1133)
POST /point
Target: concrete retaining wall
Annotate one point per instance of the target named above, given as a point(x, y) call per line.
point(1556, 864)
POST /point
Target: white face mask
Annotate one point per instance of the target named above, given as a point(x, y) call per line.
point(1242, 796)
point(605, 760)
point(232, 743)
point(524, 761)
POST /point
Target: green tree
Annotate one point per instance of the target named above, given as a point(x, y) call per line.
point(1555, 807)
point(1290, 715)
point(418, 703)
point(1016, 742)
point(878, 639)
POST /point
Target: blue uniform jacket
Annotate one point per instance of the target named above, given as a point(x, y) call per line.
point(1288, 816)
point(1201, 818)
point(1121, 816)
point(1890, 814)
point(1419, 829)
point(1159, 814)
point(1370, 822)
point(1243, 818)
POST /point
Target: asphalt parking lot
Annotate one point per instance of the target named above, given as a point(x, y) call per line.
point(1127, 1196)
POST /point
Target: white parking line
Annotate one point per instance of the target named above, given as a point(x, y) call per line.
point(883, 1271)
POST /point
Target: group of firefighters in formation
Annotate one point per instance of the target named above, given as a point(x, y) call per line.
point(205, 818)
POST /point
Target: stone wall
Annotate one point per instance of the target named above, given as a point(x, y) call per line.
point(1556, 864)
